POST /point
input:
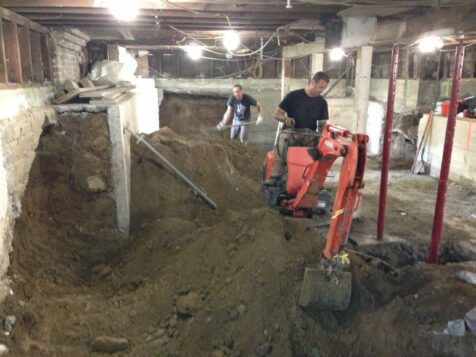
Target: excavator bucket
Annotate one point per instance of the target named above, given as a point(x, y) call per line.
point(319, 292)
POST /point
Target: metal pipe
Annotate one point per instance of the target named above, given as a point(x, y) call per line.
point(195, 189)
point(446, 160)
point(387, 141)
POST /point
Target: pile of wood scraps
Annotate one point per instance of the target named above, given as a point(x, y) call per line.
point(87, 92)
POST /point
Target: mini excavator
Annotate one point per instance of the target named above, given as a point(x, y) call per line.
point(301, 193)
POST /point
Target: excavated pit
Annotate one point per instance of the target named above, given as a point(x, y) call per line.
point(192, 281)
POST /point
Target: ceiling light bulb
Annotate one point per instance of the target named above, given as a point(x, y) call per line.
point(231, 40)
point(289, 5)
point(124, 10)
point(194, 51)
point(430, 44)
point(336, 54)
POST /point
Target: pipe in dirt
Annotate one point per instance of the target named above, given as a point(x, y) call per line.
point(387, 142)
point(195, 189)
point(446, 160)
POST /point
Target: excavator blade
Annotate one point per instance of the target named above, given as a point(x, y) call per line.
point(318, 292)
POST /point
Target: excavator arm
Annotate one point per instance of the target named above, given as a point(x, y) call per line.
point(335, 142)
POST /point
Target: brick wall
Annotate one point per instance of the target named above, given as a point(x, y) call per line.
point(68, 54)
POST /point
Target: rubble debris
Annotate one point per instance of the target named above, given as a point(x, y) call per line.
point(96, 184)
point(470, 319)
point(187, 305)
point(108, 344)
point(9, 323)
point(455, 328)
point(467, 276)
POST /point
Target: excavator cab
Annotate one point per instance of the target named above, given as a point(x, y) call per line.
point(301, 193)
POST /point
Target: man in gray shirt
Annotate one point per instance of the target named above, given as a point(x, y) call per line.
point(238, 108)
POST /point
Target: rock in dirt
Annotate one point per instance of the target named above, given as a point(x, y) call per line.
point(108, 344)
point(470, 319)
point(241, 309)
point(9, 323)
point(3, 350)
point(187, 305)
point(96, 184)
point(467, 276)
point(264, 349)
point(455, 328)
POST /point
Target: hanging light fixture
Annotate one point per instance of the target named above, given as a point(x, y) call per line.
point(289, 5)
point(194, 51)
point(336, 54)
point(124, 10)
point(430, 44)
point(231, 40)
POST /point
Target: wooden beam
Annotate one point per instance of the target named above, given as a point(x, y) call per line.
point(3, 61)
point(198, 6)
point(151, 21)
point(35, 45)
point(25, 53)
point(45, 57)
point(127, 34)
point(41, 13)
point(20, 20)
point(188, 28)
point(12, 52)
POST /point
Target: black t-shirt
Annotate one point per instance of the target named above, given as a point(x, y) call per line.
point(305, 110)
point(241, 108)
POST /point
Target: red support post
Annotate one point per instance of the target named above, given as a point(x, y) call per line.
point(387, 141)
point(446, 160)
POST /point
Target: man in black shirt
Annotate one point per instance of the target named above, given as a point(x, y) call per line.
point(238, 108)
point(303, 111)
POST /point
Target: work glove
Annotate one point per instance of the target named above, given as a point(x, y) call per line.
point(289, 122)
point(259, 120)
point(220, 126)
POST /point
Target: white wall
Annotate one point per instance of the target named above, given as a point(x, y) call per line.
point(463, 160)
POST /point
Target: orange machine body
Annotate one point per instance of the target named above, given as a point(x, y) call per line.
point(306, 174)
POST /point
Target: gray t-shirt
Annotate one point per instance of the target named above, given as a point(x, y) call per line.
point(241, 108)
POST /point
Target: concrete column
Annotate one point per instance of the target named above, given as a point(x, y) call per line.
point(362, 88)
point(118, 117)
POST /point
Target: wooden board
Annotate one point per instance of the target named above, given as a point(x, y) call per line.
point(111, 101)
point(74, 94)
point(103, 93)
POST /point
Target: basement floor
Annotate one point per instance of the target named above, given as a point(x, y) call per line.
point(191, 281)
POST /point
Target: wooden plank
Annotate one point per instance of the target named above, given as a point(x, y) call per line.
point(25, 53)
point(45, 57)
point(100, 92)
point(12, 52)
point(75, 93)
point(20, 20)
point(35, 46)
point(3, 61)
point(111, 101)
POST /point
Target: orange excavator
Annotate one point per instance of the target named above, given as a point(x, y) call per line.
point(301, 193)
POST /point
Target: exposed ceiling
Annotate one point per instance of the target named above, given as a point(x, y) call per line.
point(164, 22)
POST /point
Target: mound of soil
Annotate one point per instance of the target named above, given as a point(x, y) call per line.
point(193, 281)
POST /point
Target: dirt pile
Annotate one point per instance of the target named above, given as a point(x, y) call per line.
point(192, 281)
point(185, 113)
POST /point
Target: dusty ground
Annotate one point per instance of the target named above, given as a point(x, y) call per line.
point(191, 281)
